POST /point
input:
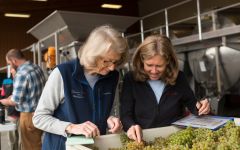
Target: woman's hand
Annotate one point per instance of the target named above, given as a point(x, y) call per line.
point(87, 128)
point(135, 133)
point(114, 124)
point(203, 107)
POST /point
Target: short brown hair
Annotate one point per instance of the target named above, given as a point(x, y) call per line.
point(14, 53)
point(151, 46)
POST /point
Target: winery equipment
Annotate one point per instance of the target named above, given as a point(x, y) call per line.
point(61, 28)
point(213, 60)
point(70, 51)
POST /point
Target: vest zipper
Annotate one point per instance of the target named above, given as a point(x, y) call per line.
point(99, 106)
point(93, 105)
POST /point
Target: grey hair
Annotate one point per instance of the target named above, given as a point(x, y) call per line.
point(100, 41)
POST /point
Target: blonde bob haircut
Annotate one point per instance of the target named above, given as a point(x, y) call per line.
point(100, 41)
point(151, 46)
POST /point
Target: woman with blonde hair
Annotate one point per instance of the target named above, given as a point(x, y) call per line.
point(79, 94)
point(156, 93)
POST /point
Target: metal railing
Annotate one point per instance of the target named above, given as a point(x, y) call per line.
point(168, 24)
point(36, 47)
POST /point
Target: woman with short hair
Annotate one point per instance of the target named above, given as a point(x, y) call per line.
point(79, 94)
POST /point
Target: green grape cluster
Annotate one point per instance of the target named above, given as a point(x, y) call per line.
point(176, 147)
point(124, 138)
point(226, 138)
point(183, 137)
point(204, 145)
point(203, 134)
point(133, 145)
point(158, 144)
point(159, 141)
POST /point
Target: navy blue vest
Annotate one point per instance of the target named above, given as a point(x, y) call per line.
point(81, 102)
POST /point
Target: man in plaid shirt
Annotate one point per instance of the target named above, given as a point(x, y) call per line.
point(27, 88)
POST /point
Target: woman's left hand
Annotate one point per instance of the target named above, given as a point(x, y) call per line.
point(203, 107)
point(114, 124)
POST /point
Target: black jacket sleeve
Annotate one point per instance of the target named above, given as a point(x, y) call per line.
point(127, 103)
point(189, 99)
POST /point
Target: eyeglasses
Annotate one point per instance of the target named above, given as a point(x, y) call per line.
point(108, 63)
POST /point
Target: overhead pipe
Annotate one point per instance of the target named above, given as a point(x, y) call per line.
point(142, 30)
point(57, 59)
point(166, 22)
point(199, 20)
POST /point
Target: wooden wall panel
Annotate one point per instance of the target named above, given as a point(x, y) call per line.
point(13, 35)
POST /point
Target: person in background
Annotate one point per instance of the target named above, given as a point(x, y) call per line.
point(12, 113)
point(79, 94)
point(156, 93)
point(27, 88)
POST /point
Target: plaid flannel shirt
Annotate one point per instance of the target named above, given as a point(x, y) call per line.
point(27, 88)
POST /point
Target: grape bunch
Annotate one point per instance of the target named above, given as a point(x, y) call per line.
point(183, 137)
point(226, 138)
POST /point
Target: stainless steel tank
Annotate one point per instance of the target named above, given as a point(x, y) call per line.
point(204, 65)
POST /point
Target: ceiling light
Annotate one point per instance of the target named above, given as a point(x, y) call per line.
point(17, 15)
point(111, 6)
